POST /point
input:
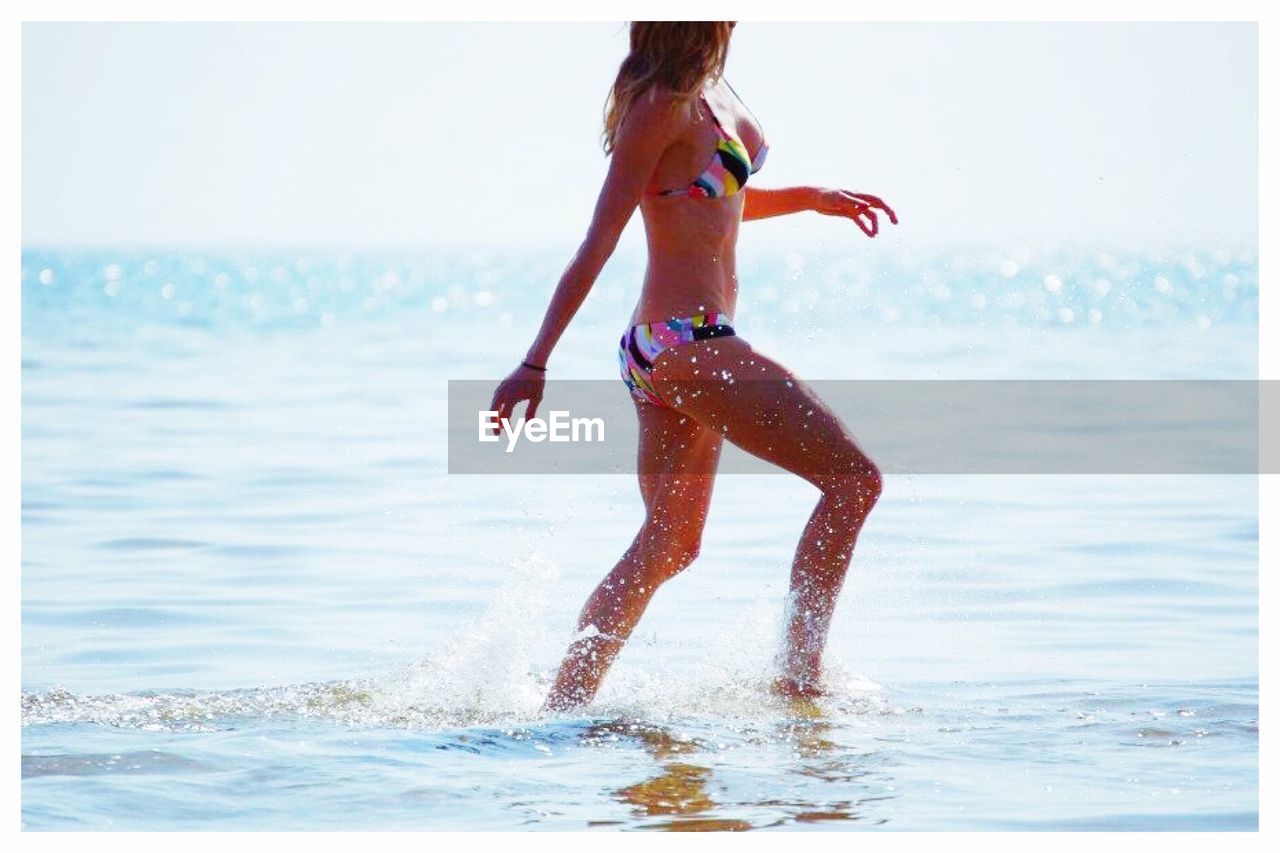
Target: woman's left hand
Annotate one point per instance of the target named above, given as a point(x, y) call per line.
point(860, 207)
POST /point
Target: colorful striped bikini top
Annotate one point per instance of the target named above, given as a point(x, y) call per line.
point(731, 164)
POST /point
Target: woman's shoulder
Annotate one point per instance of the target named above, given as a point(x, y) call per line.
point(658, 104)
point(658, 98)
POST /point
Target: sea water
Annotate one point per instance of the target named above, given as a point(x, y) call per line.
point(253, 598)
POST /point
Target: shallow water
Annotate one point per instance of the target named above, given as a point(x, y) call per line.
point(253, 599)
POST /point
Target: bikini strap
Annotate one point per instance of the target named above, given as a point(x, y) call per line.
point(739, 97)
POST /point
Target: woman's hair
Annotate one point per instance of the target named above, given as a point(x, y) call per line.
point(677, 55)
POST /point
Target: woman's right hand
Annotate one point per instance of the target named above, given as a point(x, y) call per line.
point(523, 383)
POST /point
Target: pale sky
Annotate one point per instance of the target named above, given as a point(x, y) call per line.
point(418, 135)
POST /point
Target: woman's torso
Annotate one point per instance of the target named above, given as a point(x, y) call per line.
point(691, 240)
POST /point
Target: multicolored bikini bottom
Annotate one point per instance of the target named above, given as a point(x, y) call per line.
point(641, 344)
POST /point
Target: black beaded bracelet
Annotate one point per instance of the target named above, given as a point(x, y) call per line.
point(534, 367)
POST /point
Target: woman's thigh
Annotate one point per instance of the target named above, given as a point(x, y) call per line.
point(761, 406)
point(676, 463)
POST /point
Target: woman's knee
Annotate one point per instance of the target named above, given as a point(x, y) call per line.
point(853, 478)
point(665, 550)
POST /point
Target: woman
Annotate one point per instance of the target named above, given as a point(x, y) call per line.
point(669, 113)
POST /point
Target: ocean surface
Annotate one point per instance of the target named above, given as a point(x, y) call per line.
point(252, 598)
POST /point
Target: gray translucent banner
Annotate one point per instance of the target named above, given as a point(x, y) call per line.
point(919, 427)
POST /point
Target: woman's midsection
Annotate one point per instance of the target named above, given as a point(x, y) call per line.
point(691, 269)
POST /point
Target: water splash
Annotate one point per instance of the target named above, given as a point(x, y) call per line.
point(492, 668)
point(494, 673)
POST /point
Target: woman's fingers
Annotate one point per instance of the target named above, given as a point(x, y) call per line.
point(504, 403)
point(495, 420)
point(875, 223)
point(860, 207)
point(509, 407)
point(492, 422)
point(857, 209)
point(872, 226)
point(875, 201)
point(872, 201)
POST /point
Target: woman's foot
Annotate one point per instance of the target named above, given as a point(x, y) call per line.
point(790, 688)
point(801, 699)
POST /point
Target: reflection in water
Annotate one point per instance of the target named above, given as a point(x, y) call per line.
point(679, 791)
point(680, 795)
point(823, 759)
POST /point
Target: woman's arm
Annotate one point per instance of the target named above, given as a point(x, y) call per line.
point(641, 139)
point(762, 203)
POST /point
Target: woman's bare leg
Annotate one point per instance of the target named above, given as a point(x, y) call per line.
point(763, 408)
point(677, 461)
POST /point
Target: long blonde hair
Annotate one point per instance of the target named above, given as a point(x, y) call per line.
point(678, 55)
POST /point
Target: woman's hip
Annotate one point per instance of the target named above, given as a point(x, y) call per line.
point(640, 346)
